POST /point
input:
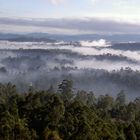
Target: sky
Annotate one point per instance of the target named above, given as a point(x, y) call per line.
point(70, 16)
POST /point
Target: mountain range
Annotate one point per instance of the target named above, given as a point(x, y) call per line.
point(52, 37)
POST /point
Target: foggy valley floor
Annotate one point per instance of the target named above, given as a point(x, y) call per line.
point(87, 90)
point(98, 66)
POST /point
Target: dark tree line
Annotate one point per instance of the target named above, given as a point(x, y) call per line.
point(63, 115)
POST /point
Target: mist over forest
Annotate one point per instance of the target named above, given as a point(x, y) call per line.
point(69, 69)
point(99, 66)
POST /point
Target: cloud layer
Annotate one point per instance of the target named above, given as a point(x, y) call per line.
point(65, 25)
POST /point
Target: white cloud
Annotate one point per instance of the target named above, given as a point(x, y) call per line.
point(96, 43)
point(57, 1)
point(93, 0)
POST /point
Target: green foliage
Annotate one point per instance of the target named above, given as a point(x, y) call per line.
point(50, 135)
point(120, 100)
point(65, 88)
point(46, 115)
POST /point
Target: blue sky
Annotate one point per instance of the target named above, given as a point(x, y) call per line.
point(43, 8)
point(124, 11)
point(127, 9)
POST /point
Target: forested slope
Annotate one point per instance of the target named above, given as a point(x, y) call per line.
point(63, 115)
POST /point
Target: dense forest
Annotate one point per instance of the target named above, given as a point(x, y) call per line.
point(65, 115)
point(105, 70)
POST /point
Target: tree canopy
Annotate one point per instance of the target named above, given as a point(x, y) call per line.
point(65, 115)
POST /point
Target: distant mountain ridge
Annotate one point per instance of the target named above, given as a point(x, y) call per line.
point(53, 37)
point(25, 38)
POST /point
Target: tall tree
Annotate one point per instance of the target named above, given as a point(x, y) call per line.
point(65, 88)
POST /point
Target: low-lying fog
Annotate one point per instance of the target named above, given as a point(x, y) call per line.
point(93, 65)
